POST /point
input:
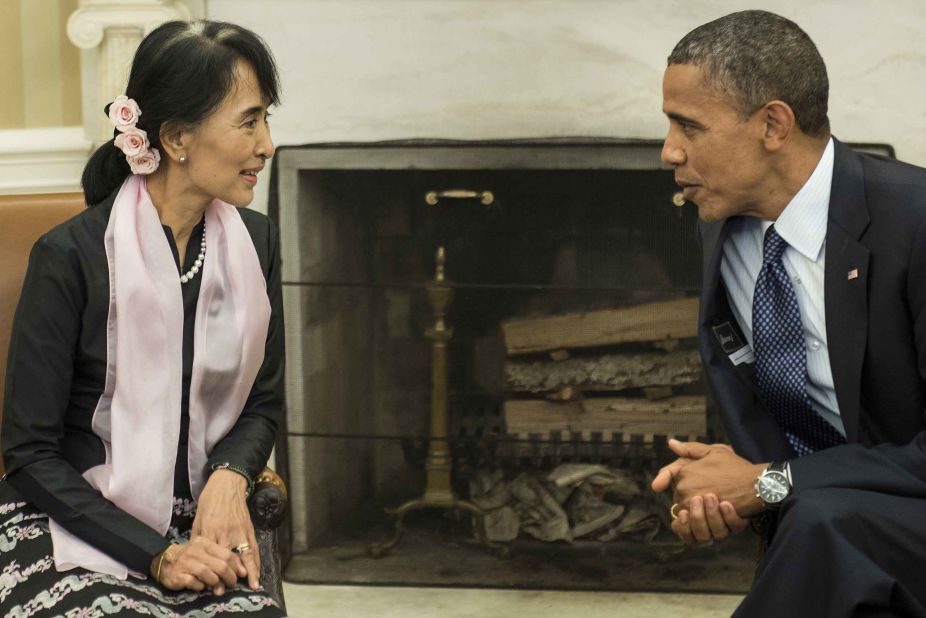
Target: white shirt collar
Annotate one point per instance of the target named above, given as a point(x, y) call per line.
point(802, 224)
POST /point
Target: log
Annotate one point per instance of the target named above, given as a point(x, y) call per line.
point(610, 372)
point(683, 415)
point(674, 319)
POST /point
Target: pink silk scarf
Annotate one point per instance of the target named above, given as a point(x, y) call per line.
point(138, 415)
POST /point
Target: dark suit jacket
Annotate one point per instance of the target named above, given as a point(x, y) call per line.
point(876, 333)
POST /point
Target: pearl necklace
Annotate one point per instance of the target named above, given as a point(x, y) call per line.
point(188, 275)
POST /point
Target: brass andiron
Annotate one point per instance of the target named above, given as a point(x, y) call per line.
point(438, 492)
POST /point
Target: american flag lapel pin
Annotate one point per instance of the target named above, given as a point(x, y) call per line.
point(853, 274)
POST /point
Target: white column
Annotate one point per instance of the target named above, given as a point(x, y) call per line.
point(109, 33)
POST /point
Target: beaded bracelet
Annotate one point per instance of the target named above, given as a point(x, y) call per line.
point(241, 471)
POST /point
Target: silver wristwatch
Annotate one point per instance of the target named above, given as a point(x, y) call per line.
point(774, 484)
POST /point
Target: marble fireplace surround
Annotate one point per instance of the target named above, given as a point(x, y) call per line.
point(319, 244)
point(331, 318)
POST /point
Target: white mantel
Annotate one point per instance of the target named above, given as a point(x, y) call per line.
point(364, 70)
point(361, 70)
point(475, 69)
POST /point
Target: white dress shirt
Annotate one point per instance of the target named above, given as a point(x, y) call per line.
point(802, 225)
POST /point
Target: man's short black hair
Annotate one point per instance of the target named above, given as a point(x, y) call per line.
point(755, 57)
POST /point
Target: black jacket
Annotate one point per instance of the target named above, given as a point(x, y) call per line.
point(56, 374)
point(876, 333)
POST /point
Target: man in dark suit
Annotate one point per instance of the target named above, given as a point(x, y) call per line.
point(812, 329)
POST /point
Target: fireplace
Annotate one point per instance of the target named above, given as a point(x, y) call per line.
point(575, 270)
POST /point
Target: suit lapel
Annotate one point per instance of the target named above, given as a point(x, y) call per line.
point(753, 432)
point(846, 284)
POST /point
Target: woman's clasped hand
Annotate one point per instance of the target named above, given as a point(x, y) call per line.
point(198, 565)
point(222, 517)
point(222, 547)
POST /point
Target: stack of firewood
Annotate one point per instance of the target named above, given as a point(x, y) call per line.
point(627, 371)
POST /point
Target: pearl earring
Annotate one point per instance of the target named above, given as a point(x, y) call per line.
point(182, 159)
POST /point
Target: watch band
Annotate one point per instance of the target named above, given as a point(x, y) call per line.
point(779, 466)
point(784, 467)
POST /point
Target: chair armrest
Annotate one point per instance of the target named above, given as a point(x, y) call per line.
point(267, 503)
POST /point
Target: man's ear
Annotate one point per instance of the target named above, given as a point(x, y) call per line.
point(779, 124)
point(175, 140)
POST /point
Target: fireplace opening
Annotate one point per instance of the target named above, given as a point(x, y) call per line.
point(574, 272)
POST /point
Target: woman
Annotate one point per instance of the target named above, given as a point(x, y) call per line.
point(145, 372)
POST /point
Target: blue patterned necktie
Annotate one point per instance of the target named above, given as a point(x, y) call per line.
point(781, 358)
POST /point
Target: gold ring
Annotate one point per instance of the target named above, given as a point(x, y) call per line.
point(240, 549)
point(672, 511)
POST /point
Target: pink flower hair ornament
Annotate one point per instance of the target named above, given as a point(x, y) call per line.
point(124, 112)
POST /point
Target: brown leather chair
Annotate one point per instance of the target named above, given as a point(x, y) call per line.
point(23, 219)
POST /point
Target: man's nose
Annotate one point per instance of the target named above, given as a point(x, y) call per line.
point(671, 153)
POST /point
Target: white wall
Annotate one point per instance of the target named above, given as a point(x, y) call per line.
point(471, 69)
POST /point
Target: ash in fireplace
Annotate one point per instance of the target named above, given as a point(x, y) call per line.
point(573, 501)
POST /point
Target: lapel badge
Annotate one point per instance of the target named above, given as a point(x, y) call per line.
point(727, 338)
point(853, 274)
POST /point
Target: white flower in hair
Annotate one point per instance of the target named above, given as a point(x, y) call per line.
point(146, 162)
point(133, 142)
point(124, 112)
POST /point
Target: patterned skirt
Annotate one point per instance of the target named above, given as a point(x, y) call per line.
point(30, 585)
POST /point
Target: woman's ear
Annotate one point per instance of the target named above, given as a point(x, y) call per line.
point(175, 139)
point(779, 124)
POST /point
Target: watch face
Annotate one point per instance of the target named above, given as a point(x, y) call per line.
point(773, 487)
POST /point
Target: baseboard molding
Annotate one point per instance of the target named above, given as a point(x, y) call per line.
point(48, 160)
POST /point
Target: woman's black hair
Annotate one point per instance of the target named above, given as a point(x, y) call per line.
point(182, 72)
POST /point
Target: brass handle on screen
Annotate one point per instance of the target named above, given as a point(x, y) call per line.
point(433, 197)
point(678, 198)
